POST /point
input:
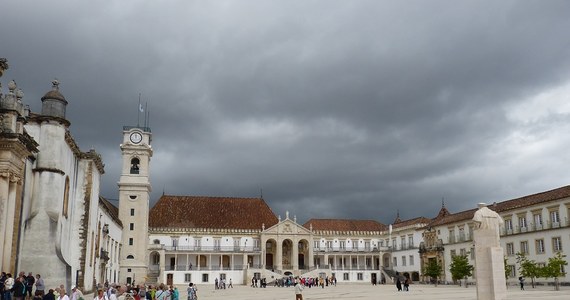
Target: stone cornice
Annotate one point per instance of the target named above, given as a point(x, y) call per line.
point(347, 233)
point(92, 154)
point(41, 118)
point(12, 140)
point(52, 170)
point(12, 176)
point(202, 231)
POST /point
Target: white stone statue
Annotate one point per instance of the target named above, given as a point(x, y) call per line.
point(486, 218)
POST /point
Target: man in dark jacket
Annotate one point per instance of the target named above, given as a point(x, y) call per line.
point(19, 288)
point(30, 280)
point(49, 295)
point(2, 280)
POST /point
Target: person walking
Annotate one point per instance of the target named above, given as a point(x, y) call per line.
point(521, 282)
point(298, 290)
point(399, 284)
point(192, 292)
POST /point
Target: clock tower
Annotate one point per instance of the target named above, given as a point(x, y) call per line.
point(134, 196)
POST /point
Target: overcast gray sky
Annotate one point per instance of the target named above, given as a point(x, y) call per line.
point(335, 109)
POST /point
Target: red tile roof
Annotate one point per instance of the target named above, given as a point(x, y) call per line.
point(418, 220)
point(344, 225)
point(111, 209)
point(552, 195)
point(211, 212)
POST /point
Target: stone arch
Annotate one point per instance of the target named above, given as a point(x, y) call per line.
point(387, 261)
point(287, 253)
point(226, 262)
point(135, 165)
point(415, 276)
point(303, 254)
point(202, 261)
point(270, 253)
point(154, 261)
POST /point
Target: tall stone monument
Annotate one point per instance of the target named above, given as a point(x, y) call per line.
point(489, 259)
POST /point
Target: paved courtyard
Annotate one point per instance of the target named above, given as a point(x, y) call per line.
point(365, 292)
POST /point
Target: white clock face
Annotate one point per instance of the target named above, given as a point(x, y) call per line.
point(136, 137)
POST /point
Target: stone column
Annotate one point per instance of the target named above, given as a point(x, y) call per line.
point(311, 255)
point(295, 254)
point(489, 259)
point(9, 229)
point(279, 255)
point(4, 192)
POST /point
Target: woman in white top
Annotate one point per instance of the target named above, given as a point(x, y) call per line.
point(63, 295)
point(298, 290)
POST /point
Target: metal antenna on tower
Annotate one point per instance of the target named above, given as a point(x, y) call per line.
point(139, 112)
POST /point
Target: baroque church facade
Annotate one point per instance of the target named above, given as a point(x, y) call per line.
point(53, 221)
point(49, 196)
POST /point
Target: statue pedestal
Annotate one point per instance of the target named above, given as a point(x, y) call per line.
point(489, 265)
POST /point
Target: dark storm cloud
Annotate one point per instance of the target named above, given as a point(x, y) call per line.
point(333, 109)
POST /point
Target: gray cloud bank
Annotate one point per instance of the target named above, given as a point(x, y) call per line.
point(335, 109)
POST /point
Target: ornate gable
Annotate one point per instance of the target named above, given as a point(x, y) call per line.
point(287, 226)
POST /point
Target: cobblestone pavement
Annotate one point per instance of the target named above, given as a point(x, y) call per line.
point(366, 292)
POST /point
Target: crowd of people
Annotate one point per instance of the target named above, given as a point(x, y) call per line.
point(30, 287)
point(309, 282)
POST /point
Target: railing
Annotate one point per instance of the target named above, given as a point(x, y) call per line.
point(345, 250)
point(532, 227)
point(233, 249)
point(194, 268)
point(354, 268)
point(104, 255)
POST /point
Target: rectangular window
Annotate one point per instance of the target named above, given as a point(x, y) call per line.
point(524, 247)
point(555, 218)
point(131, 241)
point(187, 277)
point(410, 241)
point(205, 278)
point(403, 260)
point(510, 249)
point(556, 244)
point(359, 276)
point(512, 271)
point(395, 262)
point(411, 260)
point(538, 220)
point(451, 236)
point(522, 221)
point(452, 253)
point(342, 245)
point(462, 252)
point(345, 276)
point(509, 226)
point(132, 211)
point(462, 234)
point(316, 245)
point(540, 246)
point(132, 226)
